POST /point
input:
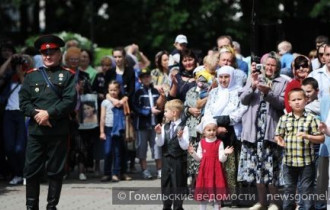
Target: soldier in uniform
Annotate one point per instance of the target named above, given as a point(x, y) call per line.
point(47, 96)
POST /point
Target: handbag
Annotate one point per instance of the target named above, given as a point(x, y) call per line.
point(129, 129)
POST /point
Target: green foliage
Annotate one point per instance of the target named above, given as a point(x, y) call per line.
point(29, 42)
point(99, 53)
point(84, 42)
point(321, 9)
point(153, 25)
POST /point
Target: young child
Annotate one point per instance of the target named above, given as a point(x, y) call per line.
point(180, 44)
point(173, 138)
point(111, 130)
point(99, 81)
point(147, 104)
point(311, 89)
point(211, 180)
point(296, 132)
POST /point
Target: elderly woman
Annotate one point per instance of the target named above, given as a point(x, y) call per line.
point(260, 158)
point(224, 104)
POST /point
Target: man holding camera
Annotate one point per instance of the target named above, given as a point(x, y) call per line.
point(47, 96)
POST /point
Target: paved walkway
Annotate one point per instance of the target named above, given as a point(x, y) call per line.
point(93, 194)
point(88, 195)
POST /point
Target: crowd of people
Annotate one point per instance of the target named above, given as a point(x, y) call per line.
point(213, 123)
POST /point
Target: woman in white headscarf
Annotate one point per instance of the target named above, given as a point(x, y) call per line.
point(224, 105)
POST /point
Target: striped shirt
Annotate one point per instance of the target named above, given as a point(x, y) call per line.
point(299, 152)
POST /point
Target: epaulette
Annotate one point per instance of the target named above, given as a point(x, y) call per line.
point(31, 70)
point(68, 69)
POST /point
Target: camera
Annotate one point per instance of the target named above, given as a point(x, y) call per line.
point(259, 67)
point(18, 60)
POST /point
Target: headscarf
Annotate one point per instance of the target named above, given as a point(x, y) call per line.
point(272, 55)
point(206, 120)
point(223, 93)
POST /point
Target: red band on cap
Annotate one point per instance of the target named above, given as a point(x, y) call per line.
point(47, 46)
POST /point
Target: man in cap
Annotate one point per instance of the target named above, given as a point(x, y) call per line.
point(47, 96)
point(180, 44)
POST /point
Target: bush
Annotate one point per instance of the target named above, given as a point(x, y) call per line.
point(84, 43)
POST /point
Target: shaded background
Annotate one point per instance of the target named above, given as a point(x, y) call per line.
point(153, 24)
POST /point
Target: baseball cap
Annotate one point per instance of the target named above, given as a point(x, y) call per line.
point(143, 73)
point(181, 39)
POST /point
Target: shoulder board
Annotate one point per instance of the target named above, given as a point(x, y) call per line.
point(31, 70)
point(69, 70)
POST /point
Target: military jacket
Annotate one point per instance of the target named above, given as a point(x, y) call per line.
point(36, 94)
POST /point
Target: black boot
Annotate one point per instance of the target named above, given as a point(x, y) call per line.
point(32, 194)
point(54, 192)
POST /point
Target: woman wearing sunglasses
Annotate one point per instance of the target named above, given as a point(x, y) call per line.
point(301, 66)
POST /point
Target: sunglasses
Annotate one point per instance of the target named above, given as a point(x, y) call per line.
point(298, 66)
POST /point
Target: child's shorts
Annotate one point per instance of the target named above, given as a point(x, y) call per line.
point(158, 152)
point(143, 138)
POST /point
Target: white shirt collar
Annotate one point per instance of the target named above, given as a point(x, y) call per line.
point(210, 140)
point(177, 122)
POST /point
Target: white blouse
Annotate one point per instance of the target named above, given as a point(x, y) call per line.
point(198, 156)
point(183, 141)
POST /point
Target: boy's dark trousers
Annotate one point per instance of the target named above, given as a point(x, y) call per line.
point(291, 176)
point(174, 181)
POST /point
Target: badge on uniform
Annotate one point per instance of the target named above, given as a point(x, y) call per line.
point(60, 76)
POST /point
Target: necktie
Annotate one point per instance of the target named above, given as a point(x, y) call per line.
point(172, 130)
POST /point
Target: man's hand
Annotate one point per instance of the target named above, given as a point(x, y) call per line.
point(42, 118)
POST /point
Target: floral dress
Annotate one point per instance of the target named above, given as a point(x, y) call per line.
point(260, 162)
point(191, 122)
